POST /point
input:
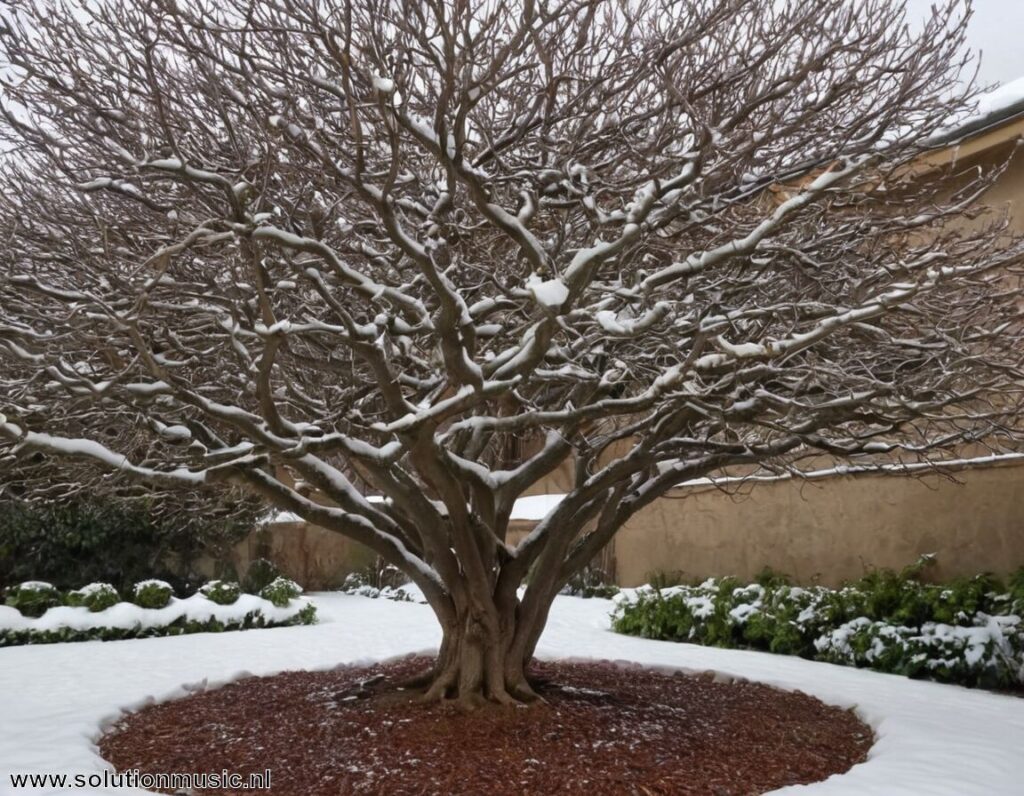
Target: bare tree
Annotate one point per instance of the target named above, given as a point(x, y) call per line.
point(432, 250)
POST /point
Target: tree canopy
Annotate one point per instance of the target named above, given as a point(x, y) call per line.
point(390, 263)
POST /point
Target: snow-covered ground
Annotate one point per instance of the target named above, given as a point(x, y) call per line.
point(933, 740)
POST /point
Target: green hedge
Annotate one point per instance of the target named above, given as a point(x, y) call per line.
point(967, 632)
point(180, 627)
point(152, 593)
point(280, 591)
point(96, 597)
point(33, 599)
point(222, 592)
point(115, 541)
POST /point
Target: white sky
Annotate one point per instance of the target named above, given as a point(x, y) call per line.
point(996, 29)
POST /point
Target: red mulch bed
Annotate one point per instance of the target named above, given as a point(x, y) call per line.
point(604, 730)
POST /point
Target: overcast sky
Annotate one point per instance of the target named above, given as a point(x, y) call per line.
point(995, 29)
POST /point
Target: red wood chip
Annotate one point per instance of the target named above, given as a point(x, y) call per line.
point(603, 730)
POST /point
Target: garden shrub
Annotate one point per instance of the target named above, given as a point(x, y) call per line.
point(377, 574)
point(96, 597)
point(222, 592)
point(377, 579)
point(354, 587)
point(281, 591)
point(117, 541)
point(152, 593)
point(148, 595)
point(260, 574)
point(968, 631)
point(33, 597)
point(665, 579)
point(591, 581)
point(252, 620)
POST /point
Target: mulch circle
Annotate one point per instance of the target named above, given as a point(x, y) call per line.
point(606, 729)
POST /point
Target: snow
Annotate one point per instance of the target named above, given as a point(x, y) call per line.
point(931, 739)
point(534, 507)
point(551, 293)
point(176, 433)
point(994, 102)
point(92, 588)
point(1001, 98)
point(285, 516)
point(383, 84)
point(35, 585)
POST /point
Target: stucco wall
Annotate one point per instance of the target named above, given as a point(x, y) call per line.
point(824, 531)
point(312, 556)
point(832, 529)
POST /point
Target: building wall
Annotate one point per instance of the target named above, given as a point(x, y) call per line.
point(825, 531)
point(314, 557)
point(833, 529)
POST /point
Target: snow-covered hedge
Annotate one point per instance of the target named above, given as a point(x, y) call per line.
point(378, 579)
point(590, 582)
point(33, 597)
point(222, 592)
point(281, 591)
point(406, 593)
point(152, 593)
point(968, 632)
point(95, 597)
point(83, 618)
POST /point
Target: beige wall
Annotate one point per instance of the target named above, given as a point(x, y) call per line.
point(312, 556)
point(825, 531)
point(832, 529)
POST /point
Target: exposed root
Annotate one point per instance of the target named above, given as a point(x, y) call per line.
point(442, 685)
point(419, 681)
point(470, 701)
point(524, 693)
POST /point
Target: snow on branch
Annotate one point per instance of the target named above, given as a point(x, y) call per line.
point(605, 247)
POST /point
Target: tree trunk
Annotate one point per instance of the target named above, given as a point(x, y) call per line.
point(483, 657)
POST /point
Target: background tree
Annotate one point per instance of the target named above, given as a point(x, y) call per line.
point(432, 250)
point(72, 522)
point(85, 539)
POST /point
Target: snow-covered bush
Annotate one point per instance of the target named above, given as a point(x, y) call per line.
point(353, 586)
point(378, 574)
point(281, 591)
point(968, 631)
point(152, 593)
point(194, 614)
point(591, 581)
point(222, 592)
point(96, 597)
point(378, 579)
point(217, 607)
point(981, 654)
point(33, 597)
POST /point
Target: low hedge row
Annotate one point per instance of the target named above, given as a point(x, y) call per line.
point(33, 598)
point(97, 612)
point(182, 626)
point(967, 632)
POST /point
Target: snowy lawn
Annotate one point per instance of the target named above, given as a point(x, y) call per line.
point(932, 739)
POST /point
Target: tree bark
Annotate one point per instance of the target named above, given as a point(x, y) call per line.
point(484, 653)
